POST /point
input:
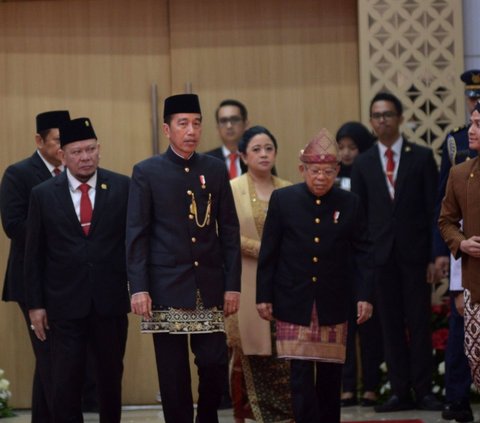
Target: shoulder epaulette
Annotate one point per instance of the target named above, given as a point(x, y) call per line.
point(452, 149)
point(458, 129)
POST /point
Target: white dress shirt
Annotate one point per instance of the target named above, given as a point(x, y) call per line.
point(396, 149)
point(226, 153)
point(76, 194)
point(50, 167)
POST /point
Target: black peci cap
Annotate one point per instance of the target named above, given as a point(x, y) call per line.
point(53, 119)
point(181, 103)
point(76, 130)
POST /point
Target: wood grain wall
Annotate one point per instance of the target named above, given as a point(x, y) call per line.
point(293, 63)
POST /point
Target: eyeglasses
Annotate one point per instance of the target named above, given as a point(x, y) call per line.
point(232, 120)
point(329, 172)
point(384, 115)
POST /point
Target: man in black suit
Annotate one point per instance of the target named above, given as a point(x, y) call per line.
point(313, 232)
point(232, 120)
point(231, 117)
point(184, 262)
point(75, 273)
point(396, 181)
point(17, 183)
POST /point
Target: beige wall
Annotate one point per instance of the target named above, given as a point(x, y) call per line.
point(293, 63)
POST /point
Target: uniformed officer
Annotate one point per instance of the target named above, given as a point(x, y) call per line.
point(312, 232)
point(184, 262)
point(457, 372)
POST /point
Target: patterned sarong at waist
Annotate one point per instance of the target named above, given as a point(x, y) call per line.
point(183, 320)
point(471, 342)
point(314, 342)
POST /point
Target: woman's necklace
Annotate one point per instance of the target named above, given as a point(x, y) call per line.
point(263, 204)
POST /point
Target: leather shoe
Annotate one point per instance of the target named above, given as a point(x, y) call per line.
point(458, 411)
point(430, 403)
point(395, 403)
point(367, 402)
point(225, 402)
point(348, 402)
point(90, 408)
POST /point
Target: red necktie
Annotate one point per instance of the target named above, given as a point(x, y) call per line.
point(57, 171)
point(85, 208)
point(233, 165)
point(390, 166)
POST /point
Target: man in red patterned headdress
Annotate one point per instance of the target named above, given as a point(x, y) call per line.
point(313, 232)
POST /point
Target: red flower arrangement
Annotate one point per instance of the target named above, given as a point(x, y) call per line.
point(439, 339)
point(440, 313)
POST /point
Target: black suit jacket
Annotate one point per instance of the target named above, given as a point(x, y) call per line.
point(66, 271)
point(168, 255)
point(218, 153)
point(402, 227)
point(17, 183)
point(308, 246)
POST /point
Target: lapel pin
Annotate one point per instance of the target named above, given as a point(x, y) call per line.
point(103, 186)
point(336, 215)
point(203, 181)
point(408, 149)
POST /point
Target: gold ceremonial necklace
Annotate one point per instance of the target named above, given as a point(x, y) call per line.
point(262, 204)
point(194, 211)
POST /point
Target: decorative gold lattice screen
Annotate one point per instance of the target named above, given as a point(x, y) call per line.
point(414, 49)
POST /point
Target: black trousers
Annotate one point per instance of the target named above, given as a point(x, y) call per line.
point(371, 352)
point(211, 359)
point(42, 378)
point(69, 342)
point(315, 391)
point(404, 303)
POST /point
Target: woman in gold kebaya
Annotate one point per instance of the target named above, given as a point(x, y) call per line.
point(263, 391)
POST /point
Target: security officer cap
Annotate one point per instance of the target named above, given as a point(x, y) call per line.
point(471, 78)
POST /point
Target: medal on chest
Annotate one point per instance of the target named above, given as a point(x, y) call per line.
point(194, 208)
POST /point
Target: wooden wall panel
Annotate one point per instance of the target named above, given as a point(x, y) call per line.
point(294, 65)
point(414, 50)
point(97, 59)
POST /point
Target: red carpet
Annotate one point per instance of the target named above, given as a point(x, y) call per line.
point(389, 421)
